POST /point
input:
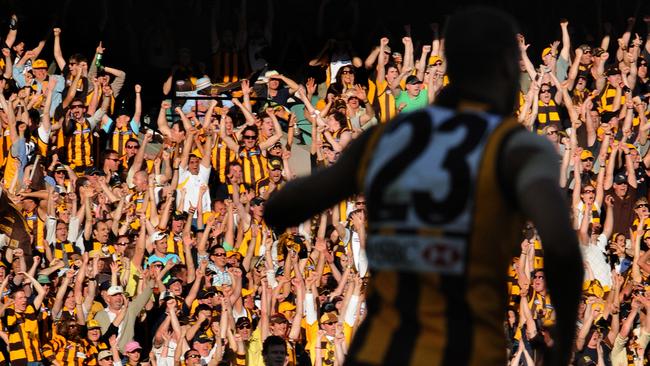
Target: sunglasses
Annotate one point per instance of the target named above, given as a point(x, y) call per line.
point(588, 159)
point(244, 326)
point(641, 205)
point(346, 72)
point(549, 133)
point(539, 276)
point(194, 356)
point(250, 137)
point(545, 91)
point(360, 202)
point(113, 159)
point(587, 52)
point(76, 106)
point(588, 191)
point(122, 243)
point(219, 254)
point(132, 146)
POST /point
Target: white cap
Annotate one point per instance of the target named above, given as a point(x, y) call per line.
point(114, 290)
point(158, 235)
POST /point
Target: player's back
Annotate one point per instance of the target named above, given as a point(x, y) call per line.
point(441, 234)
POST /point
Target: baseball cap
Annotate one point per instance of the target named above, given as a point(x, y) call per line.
point(132, 346)
point(179, 215)
point(584, 47)
point(39, 64)
point(92, 324)
point(174, 279)
point(586, 154)
point(205, 293)
point(203, 338)
point(60, 168)
point(413, 80)
point(275, 164)
point(203, 83)
point(257, 201)
point(104, 354)
point(546, 51)
point(329, 317)
point(612, 71)
point(114, 290)
point(104, 286)
point(43, 279)
point(246, 292)
point(620, 178)
point(242, 321)
point(286, 306)
point(158, 235)
point(166, 295)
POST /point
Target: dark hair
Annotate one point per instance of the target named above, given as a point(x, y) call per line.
point(250, 128)
point(271, 341)
point(340, 118)
point(489, 35)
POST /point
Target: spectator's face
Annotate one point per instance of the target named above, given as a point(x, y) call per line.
point(636, 158)
point(218, 256)
point(193, 165)
point(69, 300)
point(134, 356)
point(94, 334)
point(614, 79)
point(115, 301)
point(551, 134)
point(220, 208)
point(103, 80)
point(101, 232)
point(112, 162)
point(193, 358)
point(235, 171)
point(545, 94)
point(588, 194)
point(121, 244)
point(249, 138)
point(274, 84)
point(19, 48)
point(203, 348)
point(641, 208)
point(161, 245)
point(522, 65)
point(347, 76)
point(267, 126)
point(620, 189)
point(275, 356)
point(279, 329)
point(642, 70)
point(413, 89)
point(20, 301)
point(258, 210)
point(276, 175)
point(176, 288)
point(391, 74)
point(249, 302)
point(586, 57)
point(78, 109)
point(244, 330)
point(108, 361)
point(177, 225)
point(40, 74)
point(140, 182)
point(329, 328)
point(539, 284)
point(594, 340)
point(587, 164)
point(131, 148)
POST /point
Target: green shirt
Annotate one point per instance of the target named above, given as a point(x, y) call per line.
point(420, 101)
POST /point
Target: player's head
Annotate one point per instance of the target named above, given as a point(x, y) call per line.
point(482, 54)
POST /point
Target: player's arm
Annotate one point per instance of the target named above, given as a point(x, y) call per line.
point(530, 165)
point(288, 206)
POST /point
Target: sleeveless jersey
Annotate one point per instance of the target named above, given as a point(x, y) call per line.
point(441, 236)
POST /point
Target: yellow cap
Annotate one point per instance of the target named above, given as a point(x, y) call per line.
point(92, 324)
point(586, 154)
point(39, 64)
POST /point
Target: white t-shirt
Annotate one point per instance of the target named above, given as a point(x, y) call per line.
point(192, 183)
point(594, 254)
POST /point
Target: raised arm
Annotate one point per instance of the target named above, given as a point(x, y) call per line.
point(58, 54)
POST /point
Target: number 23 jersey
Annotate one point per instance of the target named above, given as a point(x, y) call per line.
point(441, 234)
